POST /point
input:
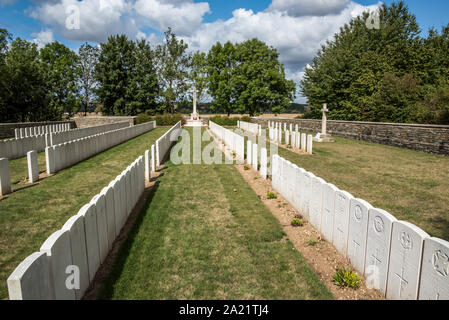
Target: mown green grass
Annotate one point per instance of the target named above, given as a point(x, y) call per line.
point(409, 184)
point(29, 215)
point(204, 234)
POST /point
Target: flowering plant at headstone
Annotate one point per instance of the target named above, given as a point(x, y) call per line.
point(345, 275)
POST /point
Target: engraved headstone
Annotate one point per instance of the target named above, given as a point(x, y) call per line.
point(377, 256)
point(328, 211)
point(341, 221)
point(316, 202)
point(358, 230)
point(434, 283)
point(405, 261)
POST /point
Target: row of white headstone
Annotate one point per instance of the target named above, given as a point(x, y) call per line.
point(69, 259)
point(39, 130)
point(234, 141)
point(61, 137)
point(396, 257)
point(257, 157)
point(278, 134)
point(17, 148)
point(254, 128)
point(164, 143)
point(66, 154)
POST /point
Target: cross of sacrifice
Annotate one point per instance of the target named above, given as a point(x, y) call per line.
point(324, 119)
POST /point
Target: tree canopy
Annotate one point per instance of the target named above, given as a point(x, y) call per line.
point(389, 74)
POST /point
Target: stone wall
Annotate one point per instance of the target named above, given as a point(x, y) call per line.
point(7, 129)
point(421, 137)
point(83, 122)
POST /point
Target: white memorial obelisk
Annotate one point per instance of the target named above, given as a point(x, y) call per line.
point(194, 120)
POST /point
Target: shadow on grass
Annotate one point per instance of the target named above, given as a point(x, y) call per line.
point(107, 288)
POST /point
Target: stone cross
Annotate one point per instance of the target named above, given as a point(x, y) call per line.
point(324, 120)
point(194, 99)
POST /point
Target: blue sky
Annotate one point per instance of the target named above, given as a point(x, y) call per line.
point(297, 28)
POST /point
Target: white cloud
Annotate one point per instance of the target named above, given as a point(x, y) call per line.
point(297, 38)
point(98, 19)
point(296, 28)
point(299, 8)
point(183, 17)
point(43, 37)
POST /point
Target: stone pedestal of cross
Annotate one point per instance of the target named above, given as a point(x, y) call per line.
point(194, 120)
point(323, 136)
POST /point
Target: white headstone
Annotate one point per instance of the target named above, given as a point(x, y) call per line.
point(255, 156)
point(147, 165)
point(358, 230)
point(100, 206)
point(153, 160)
point(405, 261)
point(309, 143)
point(75, 227)
point(249, 152)
point(33, 166)
point(5, 178)
point(263, 162)
point(316, 202)
point(31, 279)
point(90, 228)
point(328, 211)
point(58, 250)
point(108, 193)
point(303, 141)
point(341, 221)
point(377, 256)
point(434, 283)
point(307, 181)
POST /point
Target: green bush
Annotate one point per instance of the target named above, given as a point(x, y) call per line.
point(345, 275)
point(297, 222)
point(229, 121)
point(224, 121)
point(166, 119)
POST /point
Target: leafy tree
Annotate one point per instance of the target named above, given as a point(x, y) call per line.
point(198, 74)
point(221, 62)
point(88, 59)
point(22, 85)
point(144, 86)
point(5, 36)
point(59, 65)
point(173, 62)
point(114, 72)
point(259, 79)
point(351, 71)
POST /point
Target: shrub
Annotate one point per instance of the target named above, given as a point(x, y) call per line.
point(167, 119)
point(224, 121)
point(271, 195)
point(297, 222)
point(345, 275)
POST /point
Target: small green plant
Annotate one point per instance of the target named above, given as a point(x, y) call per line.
point(246, 167)
point(345, 275)
point(312, 242)
point(297, 222)
point(271, 195)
